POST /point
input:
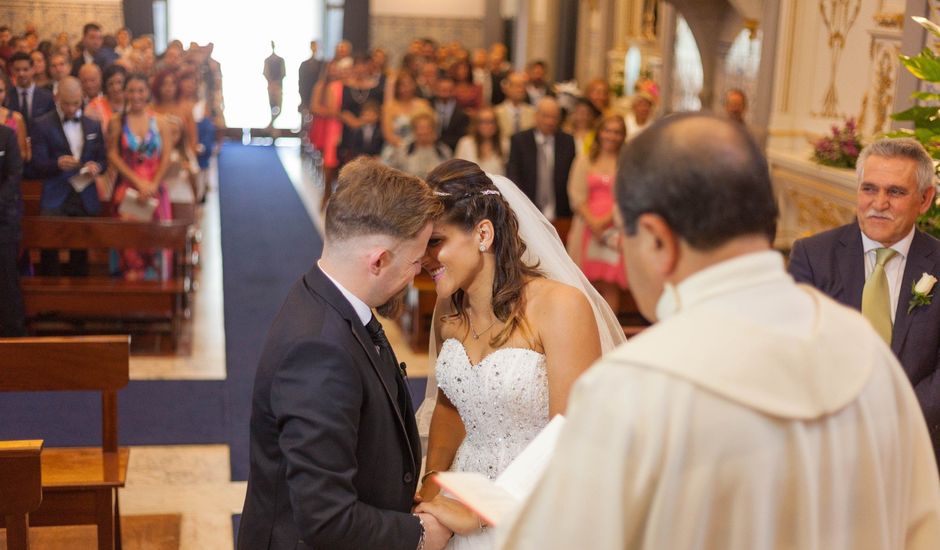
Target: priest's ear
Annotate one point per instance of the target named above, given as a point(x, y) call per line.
point(658, 244)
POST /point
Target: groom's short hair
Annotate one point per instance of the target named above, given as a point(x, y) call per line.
point(704, 175)
point(373, 199)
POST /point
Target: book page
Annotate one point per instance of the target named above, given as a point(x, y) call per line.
point(133, 209)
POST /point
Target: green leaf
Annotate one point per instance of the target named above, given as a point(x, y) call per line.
point(925, 65)
point(925, 96)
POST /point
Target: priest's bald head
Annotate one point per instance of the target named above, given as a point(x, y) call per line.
point(693, 190)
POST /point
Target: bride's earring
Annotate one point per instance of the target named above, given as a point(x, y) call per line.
point(482, 247)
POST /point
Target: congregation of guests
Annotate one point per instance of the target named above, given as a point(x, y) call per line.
point(95, 120)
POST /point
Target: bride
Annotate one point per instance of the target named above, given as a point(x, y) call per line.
point(516, 322)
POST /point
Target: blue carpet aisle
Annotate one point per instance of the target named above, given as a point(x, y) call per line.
point(268, 242)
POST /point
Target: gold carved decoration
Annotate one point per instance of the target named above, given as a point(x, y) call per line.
point(889, 20)
point(884, 83)
point(815, 214)
point(751, 25)
point(839, 17)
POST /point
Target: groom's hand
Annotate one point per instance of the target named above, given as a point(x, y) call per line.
point(435, 534)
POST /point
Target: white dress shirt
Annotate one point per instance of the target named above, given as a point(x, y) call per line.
point(894, 268)
point(363, 311)
point(73, 132)
point(545, 181)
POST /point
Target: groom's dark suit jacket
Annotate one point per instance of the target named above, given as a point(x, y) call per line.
point(834, 263)
point(334, 462)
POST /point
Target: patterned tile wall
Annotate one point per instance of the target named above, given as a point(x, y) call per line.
point(54, 16)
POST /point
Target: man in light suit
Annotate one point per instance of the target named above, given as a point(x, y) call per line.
point(68, 153)
point(335, 452)
point(514, 115)
point(895, 185)
point(540, 160)
point(755, 414)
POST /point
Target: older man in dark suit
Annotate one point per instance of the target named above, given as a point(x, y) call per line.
point(68, 152)
point(452, 121)
point(884, 266)
point(11, 298)
point(540, 159)
point(335, 451)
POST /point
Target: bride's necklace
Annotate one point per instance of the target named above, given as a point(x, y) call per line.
point(476, 335)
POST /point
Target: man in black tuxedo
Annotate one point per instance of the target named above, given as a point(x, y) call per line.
point(30, 100)
point(540, 159)
point(335, 453)
point(307, 76)
point(68, 153)
point(11, 298)
point(452, 121)
point(872, 264)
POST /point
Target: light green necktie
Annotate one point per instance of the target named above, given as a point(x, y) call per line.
point(876, 302)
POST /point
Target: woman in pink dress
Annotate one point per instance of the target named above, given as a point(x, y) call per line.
point(136, 149)
point(593, 242)
point(326, 130)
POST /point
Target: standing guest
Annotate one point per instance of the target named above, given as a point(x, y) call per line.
point(399, 110)
point(111, 102)
point(499, 69)
point(92, 50)
point(452, 121)
point(594, 240)
point(479, 62)
point(30, 100)
point(335, 452)
point(6, 45)
point(367, 139)
point(58, 69)
point(872, 264)
point(41, 70)
point(12, 313)
point(423, 152)
point(540, 160)
point(515, 114)
point(90, 77)
point(735, 104)
point(537, 86)
point(68, 152)
point(756, 414)
point(641, 114)
point(166, 101)
point(484, 145)
point(14, 121)
point(426, 78)
point(137, 149)
point(326, 129)
point(581, 125)
point(358, 88)
point(274, 73)
point(598, 93)
point(307, 76)
point(124, 47)
point(468, 94)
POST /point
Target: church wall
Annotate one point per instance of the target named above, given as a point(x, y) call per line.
point(395, 22)
point(54, 16)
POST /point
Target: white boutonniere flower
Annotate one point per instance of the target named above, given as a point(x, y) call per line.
point(921, 292)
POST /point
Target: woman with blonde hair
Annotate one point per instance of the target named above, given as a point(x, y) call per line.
point(484, 145)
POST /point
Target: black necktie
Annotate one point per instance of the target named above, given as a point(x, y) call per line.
point(25, 103)
point(387, 358)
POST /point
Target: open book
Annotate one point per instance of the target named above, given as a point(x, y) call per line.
point(494, 501)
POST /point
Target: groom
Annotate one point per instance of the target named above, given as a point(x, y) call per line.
point(335, 453)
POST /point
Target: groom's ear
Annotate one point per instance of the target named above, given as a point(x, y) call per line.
point(379, 259)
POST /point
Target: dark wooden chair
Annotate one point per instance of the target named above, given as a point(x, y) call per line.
point(20, 488)
point(79, 485)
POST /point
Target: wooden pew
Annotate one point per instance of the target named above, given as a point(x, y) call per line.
point(20, 488)
point(104, 297)
point(79, 485)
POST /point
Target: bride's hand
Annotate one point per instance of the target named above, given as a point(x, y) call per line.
point(428, 491)
point(452, 514)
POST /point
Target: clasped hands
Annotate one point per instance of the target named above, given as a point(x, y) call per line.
point(69, 162)
point(448, 512)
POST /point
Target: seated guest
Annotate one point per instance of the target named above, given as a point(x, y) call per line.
point(872, 264)
point(11, 298)
point(514, 114)
point(756, 414)
point(68, 152)
point(484, 145)
point(420, 155)
point(14, 121)
point(367, 139)
point(90, 77)
point(540, 159)
point(452, 121)
point(29, 99)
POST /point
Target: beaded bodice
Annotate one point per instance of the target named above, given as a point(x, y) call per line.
point(503, 402)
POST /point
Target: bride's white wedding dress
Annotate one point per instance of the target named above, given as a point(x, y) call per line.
point(503, 403)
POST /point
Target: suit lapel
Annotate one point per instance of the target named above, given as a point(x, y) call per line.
point(323, 286)
point(919, 260)
point(851, 262)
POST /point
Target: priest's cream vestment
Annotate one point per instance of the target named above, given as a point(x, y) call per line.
point(756, 415)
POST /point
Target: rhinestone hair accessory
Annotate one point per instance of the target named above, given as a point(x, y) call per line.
point(484, 192)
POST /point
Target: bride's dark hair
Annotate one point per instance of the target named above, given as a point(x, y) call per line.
point(469, 197)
